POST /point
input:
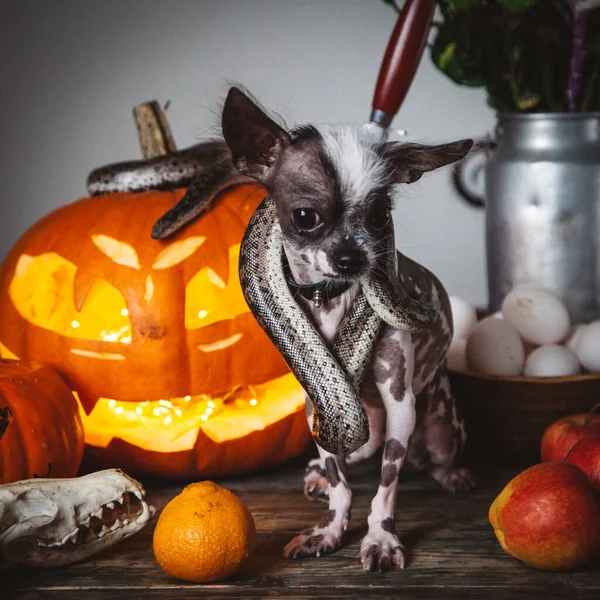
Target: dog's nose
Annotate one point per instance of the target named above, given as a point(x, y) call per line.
point(348, 261)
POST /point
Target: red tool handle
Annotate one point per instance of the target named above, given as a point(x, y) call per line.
point(401, 59)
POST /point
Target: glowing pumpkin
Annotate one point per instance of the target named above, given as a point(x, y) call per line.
point(155, 339)
point(40, 428)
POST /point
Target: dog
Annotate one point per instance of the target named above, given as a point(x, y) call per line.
point(332, 188)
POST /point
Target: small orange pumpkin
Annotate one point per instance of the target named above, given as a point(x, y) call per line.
point(41, 432)
point(155, 338)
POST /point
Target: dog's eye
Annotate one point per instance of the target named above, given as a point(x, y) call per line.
point(306, 219)
point(379, 218)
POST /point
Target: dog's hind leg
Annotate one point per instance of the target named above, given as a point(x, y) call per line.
point(444, 436)
point(316, 483)
point(376, 435)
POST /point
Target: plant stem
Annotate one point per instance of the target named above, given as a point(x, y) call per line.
point(574, 84)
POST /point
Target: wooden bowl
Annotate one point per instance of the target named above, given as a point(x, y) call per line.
point(507, 416)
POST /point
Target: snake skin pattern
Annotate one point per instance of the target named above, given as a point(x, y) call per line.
point(390, 301)
point(177, 169)
point(340, 423)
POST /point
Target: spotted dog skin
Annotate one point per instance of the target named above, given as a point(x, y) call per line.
point(412, 417)
point(332, 188)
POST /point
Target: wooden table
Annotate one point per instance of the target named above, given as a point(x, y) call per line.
point(453, 552)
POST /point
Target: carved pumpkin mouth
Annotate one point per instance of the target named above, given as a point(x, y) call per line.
point(171, 425)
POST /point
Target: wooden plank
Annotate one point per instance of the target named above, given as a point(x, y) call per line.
point(453, 552)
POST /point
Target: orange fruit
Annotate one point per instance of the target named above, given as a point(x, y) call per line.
point(204, 534)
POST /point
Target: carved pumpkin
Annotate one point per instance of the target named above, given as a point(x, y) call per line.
point(41, 432)
point(155, 338)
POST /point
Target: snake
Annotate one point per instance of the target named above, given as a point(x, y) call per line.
point(330, 376)
point(205, 169)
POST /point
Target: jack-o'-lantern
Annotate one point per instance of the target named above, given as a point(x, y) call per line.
point(174, 375)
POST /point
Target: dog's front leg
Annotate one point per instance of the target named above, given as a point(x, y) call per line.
point(381, 548)
point(327, 535)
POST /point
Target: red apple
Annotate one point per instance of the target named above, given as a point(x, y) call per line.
point(563, 434)
point(585, 454)
point(548, 516)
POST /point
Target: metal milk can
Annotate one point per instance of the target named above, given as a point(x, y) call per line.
point(542, 200)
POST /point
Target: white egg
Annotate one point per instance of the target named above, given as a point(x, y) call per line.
point(552, 361)
point(588, 347)
point(538, 315)
point(573, 336)
point(495, 347)
point(456, 357)
point(464, 317)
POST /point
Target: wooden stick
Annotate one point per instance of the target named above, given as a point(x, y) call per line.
point(153, 129)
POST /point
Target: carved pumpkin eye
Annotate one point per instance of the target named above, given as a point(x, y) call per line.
point(42, 291)
point(209, 299)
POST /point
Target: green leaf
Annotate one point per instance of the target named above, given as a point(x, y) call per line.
point(447, 56)
point(527, 102)
point(450, 54)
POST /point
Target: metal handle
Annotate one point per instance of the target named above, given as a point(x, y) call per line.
point(468, 175)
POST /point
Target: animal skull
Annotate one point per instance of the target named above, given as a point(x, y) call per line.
point(54, 522)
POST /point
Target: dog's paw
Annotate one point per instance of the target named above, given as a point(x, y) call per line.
point(454, 479)
point(313, 542)
point(380, 550)
point(316, 484)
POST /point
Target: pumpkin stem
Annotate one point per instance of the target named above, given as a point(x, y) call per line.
point(5, 419)
point(153, 129)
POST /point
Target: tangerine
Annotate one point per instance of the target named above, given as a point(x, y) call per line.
point(204, 534)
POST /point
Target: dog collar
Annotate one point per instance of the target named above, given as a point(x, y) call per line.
point(325, 290)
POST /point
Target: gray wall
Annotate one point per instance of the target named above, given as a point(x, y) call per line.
point(71, 70)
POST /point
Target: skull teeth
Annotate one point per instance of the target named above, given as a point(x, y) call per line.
point(70, 537)
point(116, 525)
point(89, 530)
point(105, 529)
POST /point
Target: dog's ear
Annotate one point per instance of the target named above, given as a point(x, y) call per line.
point(255, 140)
point(408, 162)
